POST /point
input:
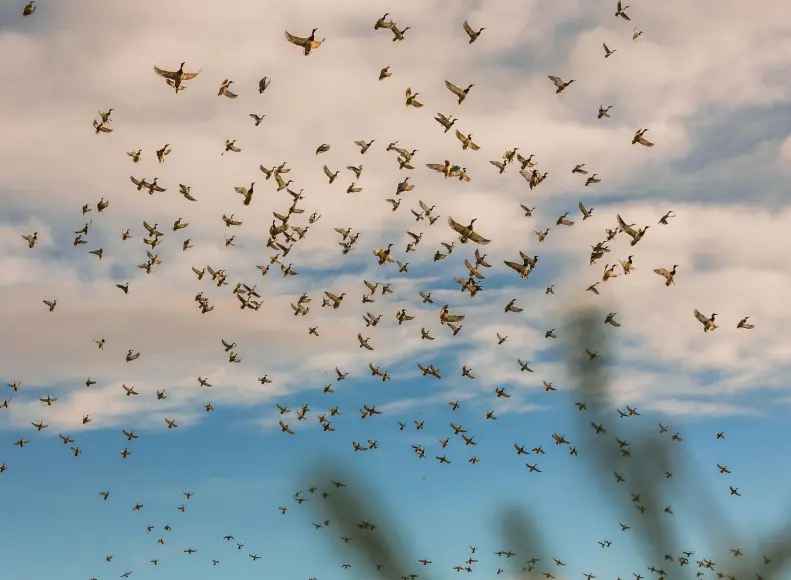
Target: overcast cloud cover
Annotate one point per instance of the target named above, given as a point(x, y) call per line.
point(709, 79)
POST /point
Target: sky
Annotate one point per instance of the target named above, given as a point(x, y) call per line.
point(709, 80)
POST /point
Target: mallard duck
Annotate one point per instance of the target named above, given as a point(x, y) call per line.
point(559, 83)
point(610, 319)
point(592, 179)
point(466, 141)
point(131, 355)
point(536, 177)
point(619, 11)
point(564, 221)
point(708, 323)
point(229, 221)
point(636, 34)
point(135, 155)
point(638, 138)
point(101, 128)
point(31, 239)
point(153, 186)
point(524, 270)
point(185, 191)
point(257, 118)
point(102, 205)
point(29, 9)
point(230, 145)
point(460, 93)
point(330, 175)
point(353, 188)
point(446, 122)
point(411, 99)
point(443, 168)
point(579, 169)
point(323, 148)
point(163, 152)
point(525, 162)
point(607, 52)
point(140, 183)
point(247, 193)
point(466, 233)
point(744, 324)
point(384, 255)
point(225, 90)
point(609, 272)
point(176, 79)
point(669, 276)
point(667, 216)
point(383, 22)
point(398, 34)
point(542, 235)
point(364, 146)
point(308, 44)
point(263, 84)
point(470, 32)
point(105, 115)
point(586, 213)
point(501, 165)
point(603, 112)
point(627, 265)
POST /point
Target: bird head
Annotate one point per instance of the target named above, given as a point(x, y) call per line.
point(182, 64)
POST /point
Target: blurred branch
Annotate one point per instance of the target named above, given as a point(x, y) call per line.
point(639, 455)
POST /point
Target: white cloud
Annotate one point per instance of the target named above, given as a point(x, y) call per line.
point(692, 63)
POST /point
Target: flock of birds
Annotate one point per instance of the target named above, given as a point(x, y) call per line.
point(289, 227)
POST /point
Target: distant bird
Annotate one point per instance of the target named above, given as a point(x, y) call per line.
point(176, 78)
point(471, 33)
point(560, 84)
point(620, 11)
point(307, 44)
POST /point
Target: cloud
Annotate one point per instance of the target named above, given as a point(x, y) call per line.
point(695, 67)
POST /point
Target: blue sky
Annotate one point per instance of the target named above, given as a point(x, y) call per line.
point(707, 84)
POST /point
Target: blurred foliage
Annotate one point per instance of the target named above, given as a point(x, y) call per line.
point(637, 452)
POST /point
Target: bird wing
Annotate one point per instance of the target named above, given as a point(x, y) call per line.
point(187, 75)
point(297, 40)
point(700, 317)
point(453, 88)
point(467, 29)
point(557, 80)
point(513, 265)
point(662, 272)
point(582, 208)
point(436, 166)
point(477, 238)
point(473, 146)
point(456, 226)
point(164, 73)
point(460, 137)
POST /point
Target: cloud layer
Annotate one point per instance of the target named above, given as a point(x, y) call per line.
point(693, 69)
